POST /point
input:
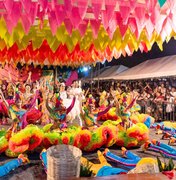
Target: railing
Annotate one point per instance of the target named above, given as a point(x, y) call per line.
point(160, 111)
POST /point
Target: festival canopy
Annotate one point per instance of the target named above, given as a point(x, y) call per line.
point(95, 73)
point(80, 32)
point(111, 72)
point(155, 68)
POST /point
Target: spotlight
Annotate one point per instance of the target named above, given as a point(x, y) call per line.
point(85, 69)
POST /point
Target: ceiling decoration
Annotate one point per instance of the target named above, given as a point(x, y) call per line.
point(77, 32)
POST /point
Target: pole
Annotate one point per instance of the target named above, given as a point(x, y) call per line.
point(91, 78)
point(55, 77)
point(98, 75)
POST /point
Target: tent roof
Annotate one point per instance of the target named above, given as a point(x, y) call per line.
point(160, 67)
point(111, 72)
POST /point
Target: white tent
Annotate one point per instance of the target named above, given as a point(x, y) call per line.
point(111, 72)
point(95, 73)
point(160, 67)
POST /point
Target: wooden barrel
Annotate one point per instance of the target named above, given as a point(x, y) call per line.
point(63, 162)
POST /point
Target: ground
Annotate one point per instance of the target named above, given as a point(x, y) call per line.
point(35, 171)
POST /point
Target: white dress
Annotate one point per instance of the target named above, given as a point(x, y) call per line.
point(76, 109)
point(63, 95)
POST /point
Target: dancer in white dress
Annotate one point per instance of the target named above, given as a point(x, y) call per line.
point(76, 91)
point(62, 91)
point(66, 101)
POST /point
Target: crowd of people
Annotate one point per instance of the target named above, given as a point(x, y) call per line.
point(156, 97)
point(35, 102)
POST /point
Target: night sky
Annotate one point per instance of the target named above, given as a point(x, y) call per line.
point(138, 57)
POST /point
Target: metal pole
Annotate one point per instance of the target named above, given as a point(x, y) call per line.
point(91, 77)
point(55, 77)
point(98, 75)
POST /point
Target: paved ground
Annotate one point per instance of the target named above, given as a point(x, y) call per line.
point(34, 170)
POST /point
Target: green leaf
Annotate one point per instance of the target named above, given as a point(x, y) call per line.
point(85, 171)
point(159, 164)
point(166, 168)
point(171, 164)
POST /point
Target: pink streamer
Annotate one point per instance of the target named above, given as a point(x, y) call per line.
point(132, 24)
point(105, 20)
point(33, 12)
point(75, 17)
point(60, 14)
point(73, 13)
point(27, 5)
point(53, 4)
point(82, 28)
point(67, 6)
point(96, 7)
point(16, 12)
point(53, 22)
point(110, 6)
point(125, 13)
point(9, 23)
point(25, 23)
point(95, 26)
point(159, 25)
point(140, 15)
point(112, 26)
point(8, 5)
point(68, 26)
point(43, 3)
point(133, 4)
point(123, 29)
point(41, 13)
point(82, 5)
point(167, 26)
point(173, 20)
point(150, 28)
point(155, 15)
point(118, 18)
point(150, 4)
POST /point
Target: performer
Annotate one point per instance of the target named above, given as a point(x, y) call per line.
point(62, 91)
point(4, 89)
point(3, 112)
point(10, 91)
point(76, 91)
point(13, 164)
point(103, 99)
point(90, 113)
point(130, 161)
point(27, 95)
point(166, 150)
point(17, 113)
point(34, 114)
point(124, 110)
point(58, 112)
